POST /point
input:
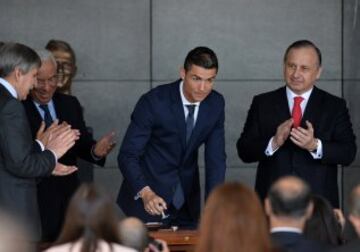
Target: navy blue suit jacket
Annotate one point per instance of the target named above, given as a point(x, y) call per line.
point(295, 242)
point(154, 151)
point(330, 119)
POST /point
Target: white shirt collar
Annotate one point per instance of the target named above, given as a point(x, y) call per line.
point(290, 94)
point(286, 229)
point(9, 87)
point(183, 98)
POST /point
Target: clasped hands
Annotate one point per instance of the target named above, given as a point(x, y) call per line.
point(304, 138)
point(58, 138)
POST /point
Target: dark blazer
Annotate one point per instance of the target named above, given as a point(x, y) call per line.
point(154, 151)
point(21, 162)
point(295, 242)
point(54, 192)
point(330, 119)
point(352, 246)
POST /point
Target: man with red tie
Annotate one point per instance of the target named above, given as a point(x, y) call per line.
point(299, 129)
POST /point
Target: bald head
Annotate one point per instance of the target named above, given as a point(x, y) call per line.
point(289, 196)
point(133, 233)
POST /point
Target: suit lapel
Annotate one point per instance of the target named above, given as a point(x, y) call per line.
point(312, 110)
point(178, 112)
point(282, 105)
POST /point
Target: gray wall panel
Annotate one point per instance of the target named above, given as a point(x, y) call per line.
point(111, 38)
point(108, 106)
point(250, 37)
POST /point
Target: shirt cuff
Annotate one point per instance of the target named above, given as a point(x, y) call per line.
point(41, 144)
point(96, 158)
point(269, 150)
point(318, 153)
point(138, 195)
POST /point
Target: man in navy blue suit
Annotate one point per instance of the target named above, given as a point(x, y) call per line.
point(159, 154)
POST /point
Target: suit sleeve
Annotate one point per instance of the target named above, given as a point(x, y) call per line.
point(86, 142)
point(341, 149)
point(251, 145)
point(215, 156)
point(21, 157)
point(133, 145)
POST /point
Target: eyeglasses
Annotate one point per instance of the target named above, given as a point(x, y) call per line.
point(51, 81)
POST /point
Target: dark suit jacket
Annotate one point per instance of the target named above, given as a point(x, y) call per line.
point(295, 242)
point(54, 192)
point(21, 162)
point(330, 119)
point(352, 246)
point(154, 152)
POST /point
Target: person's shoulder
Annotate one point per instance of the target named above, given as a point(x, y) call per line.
point(66, 98)
point(121, 248)
point(60, 248)
point(352, 246)
point(328, 96)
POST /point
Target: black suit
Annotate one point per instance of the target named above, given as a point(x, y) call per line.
point(352, 246)
point(295, 242)
point(330, 119)
point(55, 192)
point(21, 162)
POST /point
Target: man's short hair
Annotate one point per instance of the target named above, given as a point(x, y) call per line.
point(15, 55)
point(354, 202)
point(304, 44)
point(290, 202)
point(203, 57)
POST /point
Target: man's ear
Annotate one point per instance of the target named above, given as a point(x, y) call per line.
point(355, 221)
point(182, 73)
point(17, 73)
point(309, 210)
point(319, 73)
point(268, 209)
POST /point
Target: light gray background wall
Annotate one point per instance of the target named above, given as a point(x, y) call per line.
point(125, 47)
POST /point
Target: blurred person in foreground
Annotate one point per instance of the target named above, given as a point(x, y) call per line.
point(323, 225)
point(22, 160)
point(288, 207)
point(134, 234)
point(91, 224)
point(354, 218)
point(233, 220)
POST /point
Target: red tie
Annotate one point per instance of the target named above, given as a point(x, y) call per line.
point(296, 112)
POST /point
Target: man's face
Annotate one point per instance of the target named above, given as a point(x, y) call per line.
point(198, 82)
point(301, 69)
point(46, 83)
point(25, 83)
point(65, 68)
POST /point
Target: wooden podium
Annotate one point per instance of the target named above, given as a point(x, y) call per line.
point(180, 240)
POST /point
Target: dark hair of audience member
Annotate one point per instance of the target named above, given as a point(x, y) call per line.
point(233, 220)
point(91, 217)
point(323, 225)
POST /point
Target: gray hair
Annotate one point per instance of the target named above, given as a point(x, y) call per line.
point(46, 55)
point(16, 55)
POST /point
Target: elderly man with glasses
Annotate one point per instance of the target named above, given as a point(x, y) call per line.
point(46, 105)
